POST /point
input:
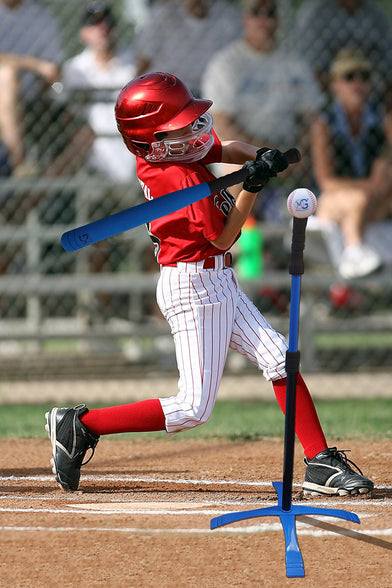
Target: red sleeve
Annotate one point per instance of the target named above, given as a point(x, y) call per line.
point(215, 153)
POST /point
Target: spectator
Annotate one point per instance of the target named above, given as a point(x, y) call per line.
point(92, 80)
point(352, 161)
point(96, 75)
point(30, 53)
point(11, 152)
point(40, 135)
point(323, 27)
point(180, 36)
point(59, 142)
point(262, 94)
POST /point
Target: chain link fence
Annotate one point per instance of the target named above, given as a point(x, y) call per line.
point(94, 311)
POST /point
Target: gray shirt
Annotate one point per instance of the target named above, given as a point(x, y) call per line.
point(265, 94)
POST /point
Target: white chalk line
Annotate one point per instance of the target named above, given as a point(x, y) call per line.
point(132, 511)
point(110, 478)
point(181, 481)
point(77, 509)
point(262, 528)
point(330, 502)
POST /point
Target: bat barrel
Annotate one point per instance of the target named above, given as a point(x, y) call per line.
point(132, 217)
point(148, 211)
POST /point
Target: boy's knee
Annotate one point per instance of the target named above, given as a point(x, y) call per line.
point(195, 421)
point(185, 420)
point(276, 371)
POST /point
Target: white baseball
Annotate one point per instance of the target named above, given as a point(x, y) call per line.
point(301, 203)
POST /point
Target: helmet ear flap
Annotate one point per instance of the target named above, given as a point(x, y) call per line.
point(138, 148)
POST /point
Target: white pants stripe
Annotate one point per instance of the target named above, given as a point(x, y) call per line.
point(208, 313)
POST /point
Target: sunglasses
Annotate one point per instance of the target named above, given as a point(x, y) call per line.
point(364, 76)
point(264, 12)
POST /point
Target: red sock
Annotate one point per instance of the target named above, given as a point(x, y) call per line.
point(146, 415)
point(307, 424)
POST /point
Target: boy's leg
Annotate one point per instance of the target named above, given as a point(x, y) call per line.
point(200, 309)
point(201, 328)
point(146, 415)
point(307, 424)
point(328, 470)
point(73, 431)
point(254, 337)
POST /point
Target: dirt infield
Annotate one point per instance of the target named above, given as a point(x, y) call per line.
point(142, 518)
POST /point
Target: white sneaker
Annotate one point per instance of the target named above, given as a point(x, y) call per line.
point(358, 261)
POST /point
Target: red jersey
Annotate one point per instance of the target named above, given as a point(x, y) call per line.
point(185, 235)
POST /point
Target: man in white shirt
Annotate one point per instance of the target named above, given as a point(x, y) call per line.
point(95, 76)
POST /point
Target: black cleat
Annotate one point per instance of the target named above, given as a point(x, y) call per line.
point(330, 472)
point(70, 441)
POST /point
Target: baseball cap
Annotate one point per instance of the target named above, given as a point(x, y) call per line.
point(347, 61)
point(96, 13)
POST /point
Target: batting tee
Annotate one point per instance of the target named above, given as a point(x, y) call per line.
point(285, 510)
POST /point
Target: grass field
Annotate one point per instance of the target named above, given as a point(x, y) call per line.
point(368, 418)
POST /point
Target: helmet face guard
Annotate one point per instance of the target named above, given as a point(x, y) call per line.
point(185, 148)
point(149, 111)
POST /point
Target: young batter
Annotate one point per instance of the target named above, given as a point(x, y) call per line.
point(171, 134)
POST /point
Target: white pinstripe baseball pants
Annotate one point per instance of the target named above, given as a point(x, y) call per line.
point(208, 313)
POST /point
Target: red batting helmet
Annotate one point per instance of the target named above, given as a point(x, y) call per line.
point(153, 104)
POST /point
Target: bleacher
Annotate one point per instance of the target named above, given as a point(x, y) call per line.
point(62, 308)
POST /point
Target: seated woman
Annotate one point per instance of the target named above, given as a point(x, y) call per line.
point(352, 161)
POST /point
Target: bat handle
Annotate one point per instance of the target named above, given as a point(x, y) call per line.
point(292, 155)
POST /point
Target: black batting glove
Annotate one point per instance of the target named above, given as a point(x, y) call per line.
point(275, 160)
point(258, 175)
point(261, 151)
point(268, 163)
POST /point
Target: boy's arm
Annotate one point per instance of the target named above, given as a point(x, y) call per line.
point(267, 164)
point(237, 152)
point(235, 220)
